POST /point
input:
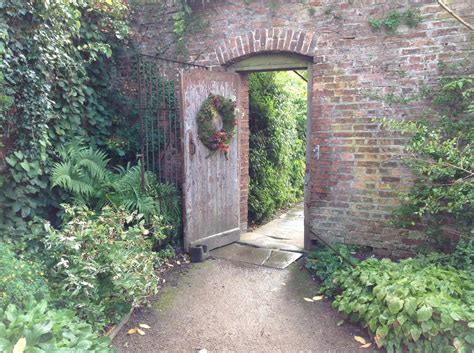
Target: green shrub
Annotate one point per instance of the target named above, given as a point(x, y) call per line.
point(20, 279)
point(440, 154)
point(56, 59)
point(46, 330)
point(324, 263)
point(277, 143)
point(101, 264)
point(412, 305)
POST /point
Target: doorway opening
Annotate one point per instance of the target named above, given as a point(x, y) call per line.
point(277, 149)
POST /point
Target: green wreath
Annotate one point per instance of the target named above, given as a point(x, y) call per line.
point(213, 107)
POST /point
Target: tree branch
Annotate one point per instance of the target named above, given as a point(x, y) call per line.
point(456, 16)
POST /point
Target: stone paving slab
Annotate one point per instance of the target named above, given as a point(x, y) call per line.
point(284, 233)
point(256, 256)
point(281, 259)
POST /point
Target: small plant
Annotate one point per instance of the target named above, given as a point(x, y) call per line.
point(410, 306)
point(21, 279)
point(393, 20)
point(37, 328)
point(324, 263)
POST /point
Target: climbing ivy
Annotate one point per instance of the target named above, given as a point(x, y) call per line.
point(55, 58)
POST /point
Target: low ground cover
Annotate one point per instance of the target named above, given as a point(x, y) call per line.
point(414, 305)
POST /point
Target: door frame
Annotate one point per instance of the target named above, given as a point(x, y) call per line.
point(278, 61)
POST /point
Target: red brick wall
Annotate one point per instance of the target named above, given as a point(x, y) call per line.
point(353, 186)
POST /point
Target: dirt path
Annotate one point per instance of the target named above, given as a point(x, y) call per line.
point(225, 306)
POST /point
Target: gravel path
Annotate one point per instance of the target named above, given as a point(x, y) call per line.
point(225, 306)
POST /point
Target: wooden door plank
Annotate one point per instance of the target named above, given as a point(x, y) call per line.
point(211, 182)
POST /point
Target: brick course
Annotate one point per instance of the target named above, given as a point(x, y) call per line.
point(353, 186)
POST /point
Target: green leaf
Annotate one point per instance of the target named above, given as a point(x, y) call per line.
point(424, 313)
point(394, 304)
point(41, 329)
point(5, 345)
point(382, 331)
point(415, 332)
point(410, 305)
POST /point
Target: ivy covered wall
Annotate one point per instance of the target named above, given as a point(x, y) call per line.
point(57, 64)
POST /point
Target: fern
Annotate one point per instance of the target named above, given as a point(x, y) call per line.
point(84, 173)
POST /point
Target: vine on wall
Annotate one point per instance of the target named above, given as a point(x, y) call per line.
point(56, 62)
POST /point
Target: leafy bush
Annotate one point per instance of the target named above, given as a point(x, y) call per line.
point(46, 330)
point(413, 305)
point(324, 263)
point(100, 265)
point(20, 279)
point(277, 143)
point(441, 155)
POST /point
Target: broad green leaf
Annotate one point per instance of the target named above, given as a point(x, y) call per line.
point(424, 313)
point(415, 332)
point(395, 304)
point(410, 305)
point(382, 331)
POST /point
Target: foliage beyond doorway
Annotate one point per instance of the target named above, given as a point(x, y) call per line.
point(277, 142)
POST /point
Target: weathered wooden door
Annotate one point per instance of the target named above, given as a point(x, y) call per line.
point(211, 185)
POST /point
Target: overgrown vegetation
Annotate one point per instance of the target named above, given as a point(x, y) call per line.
point(100, 265)
point(324, 263)
point(277, 142)
point(422, 304)
point(441, 155)
point(38, 328)
point(85, 173)
point(68, 272)
point(56, 62)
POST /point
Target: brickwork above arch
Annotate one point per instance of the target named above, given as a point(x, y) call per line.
point(263, 40)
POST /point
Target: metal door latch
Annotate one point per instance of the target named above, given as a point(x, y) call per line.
point(316, 151)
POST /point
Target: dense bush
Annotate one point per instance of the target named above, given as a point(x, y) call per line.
point(41, 329)
point(101, 264)
point(410, 305)
point(277, 143)
point(20, 279)
point(84, 172)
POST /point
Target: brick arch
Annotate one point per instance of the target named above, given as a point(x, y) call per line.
point(263, 40)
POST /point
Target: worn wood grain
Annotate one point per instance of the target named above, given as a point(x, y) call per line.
point(211, 183)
